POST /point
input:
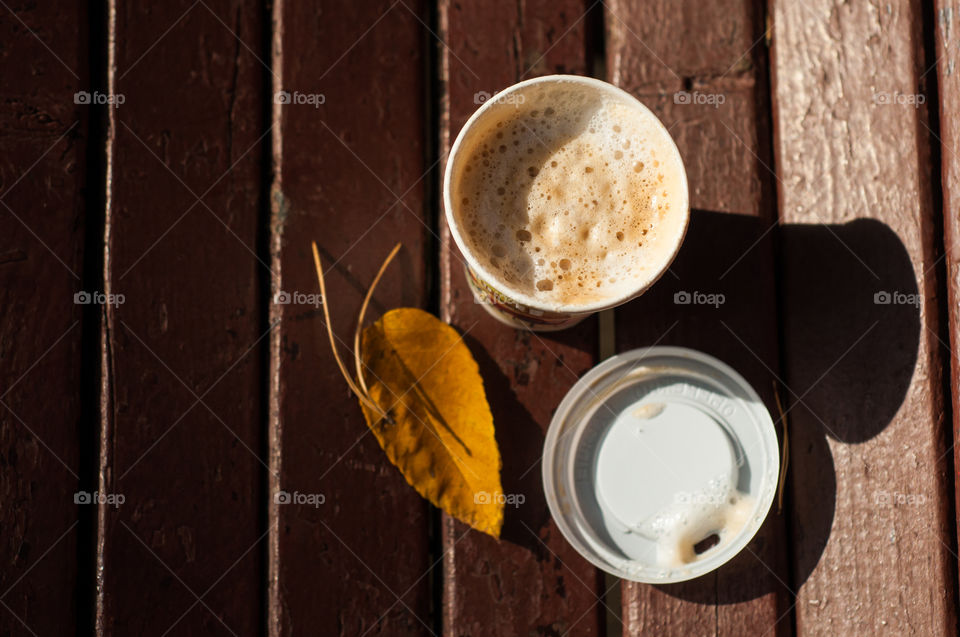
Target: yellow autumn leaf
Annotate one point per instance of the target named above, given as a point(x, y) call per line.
point(438, 428)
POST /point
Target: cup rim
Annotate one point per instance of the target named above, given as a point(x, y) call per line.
point(526, 299)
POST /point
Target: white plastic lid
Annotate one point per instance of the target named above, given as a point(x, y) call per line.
point(660, 464)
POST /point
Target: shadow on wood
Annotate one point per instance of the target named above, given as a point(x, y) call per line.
point(521, 445)
point(852, 321)
point(848, 299)
point(846, 293)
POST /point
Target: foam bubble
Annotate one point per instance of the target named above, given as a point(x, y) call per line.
point(717, 509)
point(568, 174)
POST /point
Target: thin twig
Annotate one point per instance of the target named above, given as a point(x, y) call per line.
point(363, 397)
point(363, 310)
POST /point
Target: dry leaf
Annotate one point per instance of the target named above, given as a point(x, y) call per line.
point(440, 429)
point(422, 396)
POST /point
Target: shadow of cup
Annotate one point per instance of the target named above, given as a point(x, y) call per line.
point(520, 440)
point(849, 330)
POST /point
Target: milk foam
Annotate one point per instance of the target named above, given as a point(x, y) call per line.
point(570, 195)
point(718, 508)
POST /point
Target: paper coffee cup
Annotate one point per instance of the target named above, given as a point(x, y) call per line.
point(527, 309)
point(660, 464)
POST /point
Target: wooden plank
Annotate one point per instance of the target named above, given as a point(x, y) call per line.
point(872, 531)
point(712, 97)
point(700, 67)
point(948, 87)
point(349, 175)
point(532, 581)
point(182, 437)
point(43, 172)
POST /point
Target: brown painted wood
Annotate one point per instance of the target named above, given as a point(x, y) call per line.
point(43, 169)
point(681, 59)
point(531, 581)
point(668, 54)
point(182, 433)
point(870, 491)
point(948, 87)
point(349, 175)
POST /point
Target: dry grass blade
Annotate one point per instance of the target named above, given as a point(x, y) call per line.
point(361, 395)
point(363, 311)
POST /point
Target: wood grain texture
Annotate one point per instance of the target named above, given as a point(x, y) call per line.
point(697, 66)
point(948, 86)
point(43, 144)
point(182, 434)
point(869, 485)
point(531, 581)
point(728, 251)
point(349, 175)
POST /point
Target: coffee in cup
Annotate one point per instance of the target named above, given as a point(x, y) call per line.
point(566, 196)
